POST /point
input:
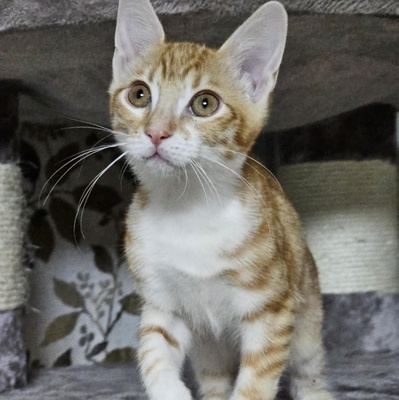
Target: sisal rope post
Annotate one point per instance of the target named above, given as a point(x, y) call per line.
point(13, 284)
point(349, 211)
point(13, 281)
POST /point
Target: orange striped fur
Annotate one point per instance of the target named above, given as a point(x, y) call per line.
point(216, 250)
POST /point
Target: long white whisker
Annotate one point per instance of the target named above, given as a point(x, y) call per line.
point(74, 161)
point(91, 124)
point(266, 169)
point(246, 183)
point(254, 160)
point(179, 175)
point(122, 173)
point(207, 180)
point(124, 169)
point(199, 179)
point(86, 193)
point(238, 176)
point(186, 183)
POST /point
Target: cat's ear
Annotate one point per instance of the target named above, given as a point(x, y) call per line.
point(256, 49)
point(137, 29)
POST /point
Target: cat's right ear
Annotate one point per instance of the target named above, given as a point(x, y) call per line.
point(137, 29)
point(256, 48)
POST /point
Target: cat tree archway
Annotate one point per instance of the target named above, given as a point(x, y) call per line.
point(335, 61)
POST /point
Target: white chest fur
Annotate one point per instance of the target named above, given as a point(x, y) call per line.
point(191, 240)
point(183, 255)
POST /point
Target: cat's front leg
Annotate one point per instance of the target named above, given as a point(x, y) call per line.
point(265, 344)
point(164, 339)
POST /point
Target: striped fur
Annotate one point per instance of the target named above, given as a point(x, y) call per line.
point(216, 250)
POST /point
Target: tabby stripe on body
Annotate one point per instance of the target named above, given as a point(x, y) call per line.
point(216, 250)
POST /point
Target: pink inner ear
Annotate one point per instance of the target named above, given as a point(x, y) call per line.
point(252, 67)
point(258, 79)
point(257, 48)
point(138, 28)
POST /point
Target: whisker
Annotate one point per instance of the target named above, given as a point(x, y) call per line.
point(199, 179)
point(207, 180)
point(186, 183)
point(266, 169)
point(247, 183)
point(92, 124)
point(126, 165)
point(86, 194)
point(239, 176)
point(255, 161)
point(122, 173)
point(81, 156)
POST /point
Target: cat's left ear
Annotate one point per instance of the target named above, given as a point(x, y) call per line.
point(137, 29)
point(256, 49)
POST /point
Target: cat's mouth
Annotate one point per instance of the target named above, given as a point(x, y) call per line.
point(159, 159)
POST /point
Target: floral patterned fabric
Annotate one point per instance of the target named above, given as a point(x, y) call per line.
point(82, 308)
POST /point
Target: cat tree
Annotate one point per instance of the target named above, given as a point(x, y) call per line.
point(340, 55)
point(13, 290)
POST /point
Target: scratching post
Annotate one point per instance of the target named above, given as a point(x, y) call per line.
point(349, 210)
point(12, 277)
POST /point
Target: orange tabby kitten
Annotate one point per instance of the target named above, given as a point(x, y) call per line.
point(217, 251)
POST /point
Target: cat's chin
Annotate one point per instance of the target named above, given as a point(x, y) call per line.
point(158, 159)
point(157, 165)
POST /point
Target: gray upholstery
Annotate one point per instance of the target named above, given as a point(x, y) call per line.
point(12, 350)
point(336, 60)
point(21, 14)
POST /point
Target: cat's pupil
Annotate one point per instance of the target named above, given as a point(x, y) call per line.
point(140, 94)
point(205, 103)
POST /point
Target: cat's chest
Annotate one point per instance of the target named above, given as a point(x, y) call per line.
point(182, 258)
point(193, 241)
point(201, 302)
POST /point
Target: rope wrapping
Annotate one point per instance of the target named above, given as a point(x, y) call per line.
point(13, 280)
point(349, 210)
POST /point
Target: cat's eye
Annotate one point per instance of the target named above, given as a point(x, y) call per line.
point(139, 95)
point(204, 104)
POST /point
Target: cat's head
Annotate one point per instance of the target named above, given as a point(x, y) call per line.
point(175, 104)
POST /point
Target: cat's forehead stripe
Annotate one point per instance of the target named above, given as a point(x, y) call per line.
point(178, 60)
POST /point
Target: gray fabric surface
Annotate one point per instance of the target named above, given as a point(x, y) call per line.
point(361, 333)
point(360, 377)
point(361, 323)
point(332, 64)
point(23, 14)
point(12, 351)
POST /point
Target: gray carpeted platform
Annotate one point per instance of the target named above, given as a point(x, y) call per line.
point(356, 377)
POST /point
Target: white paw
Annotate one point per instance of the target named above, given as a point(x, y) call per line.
point(317, 394)
point(171, 391)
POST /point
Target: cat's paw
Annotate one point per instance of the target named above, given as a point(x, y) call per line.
point(169, 391)
point(310, 394)
point(181, 393)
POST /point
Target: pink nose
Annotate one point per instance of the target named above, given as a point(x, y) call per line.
point(156, 135)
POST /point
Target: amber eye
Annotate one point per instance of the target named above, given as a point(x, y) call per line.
point(139, 95)
point(204, 104)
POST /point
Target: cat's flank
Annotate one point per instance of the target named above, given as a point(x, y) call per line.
point(216, 250)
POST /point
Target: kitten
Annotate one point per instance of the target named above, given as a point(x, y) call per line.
point(216, 250)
